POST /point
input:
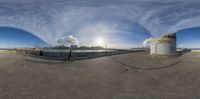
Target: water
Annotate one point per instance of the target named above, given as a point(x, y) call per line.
point(195, 48)
point(1, 50)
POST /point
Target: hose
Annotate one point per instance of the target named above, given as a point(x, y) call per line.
point(143, 68)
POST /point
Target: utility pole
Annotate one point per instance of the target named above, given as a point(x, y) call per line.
point(105, 47)
point(8, 46)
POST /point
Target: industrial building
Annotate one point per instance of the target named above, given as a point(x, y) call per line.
point(165, 45)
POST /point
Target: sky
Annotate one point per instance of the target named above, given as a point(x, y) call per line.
point(120, 23)
point(189, 38)
point(12, 38)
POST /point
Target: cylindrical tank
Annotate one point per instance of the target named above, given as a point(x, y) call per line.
point(166, 45)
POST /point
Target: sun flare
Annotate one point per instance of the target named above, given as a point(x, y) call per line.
point(100, 41)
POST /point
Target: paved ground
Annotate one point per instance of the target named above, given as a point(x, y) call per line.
point(100, 78)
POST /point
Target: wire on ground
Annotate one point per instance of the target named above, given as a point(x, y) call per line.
point(143, 68)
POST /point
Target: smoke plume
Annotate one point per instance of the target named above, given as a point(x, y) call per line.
point(68, 39)
point(146, 42)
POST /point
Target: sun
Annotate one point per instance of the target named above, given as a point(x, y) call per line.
point(100, 41)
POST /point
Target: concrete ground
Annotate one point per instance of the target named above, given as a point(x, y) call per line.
point(101, 78)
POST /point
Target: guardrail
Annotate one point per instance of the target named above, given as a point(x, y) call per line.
point(74, 55)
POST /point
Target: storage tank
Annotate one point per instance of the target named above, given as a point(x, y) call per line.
point(166, 45)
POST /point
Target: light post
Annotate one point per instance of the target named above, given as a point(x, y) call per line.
point(105, 47)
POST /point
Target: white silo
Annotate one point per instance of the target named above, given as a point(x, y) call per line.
point(166, 45)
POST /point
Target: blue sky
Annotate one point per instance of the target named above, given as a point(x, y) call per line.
point(121, 23)
point(189, 38)
point(11, 38)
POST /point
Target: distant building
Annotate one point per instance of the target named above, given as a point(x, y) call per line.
point(74, 46)
point(165, 45)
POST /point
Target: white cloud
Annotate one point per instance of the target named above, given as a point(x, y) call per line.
point(99, 28)
point(72, 40)
point(51, 19)
point(68, 39)
point(146, 42)
point(181, 45)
